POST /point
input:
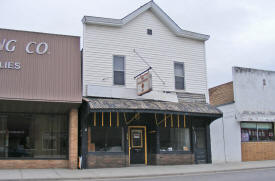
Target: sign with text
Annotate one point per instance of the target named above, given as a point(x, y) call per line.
point(9, 46)
point(144, 83)
point(39, 66)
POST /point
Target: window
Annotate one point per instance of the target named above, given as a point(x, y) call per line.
point(174, 139)
point(119, 70)
point(33, 136)
point(257, 132)
point(107, 139)
point(179, 75)
point(149, 32)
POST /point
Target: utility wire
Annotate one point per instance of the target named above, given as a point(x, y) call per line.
point(148, 66)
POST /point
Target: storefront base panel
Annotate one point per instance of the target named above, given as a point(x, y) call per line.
point(21, 164)
point(107, 161)
point(174, 159)
point(256, 151)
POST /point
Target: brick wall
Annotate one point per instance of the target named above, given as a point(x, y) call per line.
point(107, 161)
point(221, 94)
point(254, 151)
point(174, 159)
point(73, 139)
point(16, 164)
point(122, 160)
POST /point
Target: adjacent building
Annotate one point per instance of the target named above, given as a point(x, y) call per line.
point(246, 130)
point(40, 83)
point(145, 88)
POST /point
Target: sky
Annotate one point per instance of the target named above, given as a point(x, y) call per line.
point(242, 33)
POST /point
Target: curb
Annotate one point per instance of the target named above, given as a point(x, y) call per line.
point(146, 176)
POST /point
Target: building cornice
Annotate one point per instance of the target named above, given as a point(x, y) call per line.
point(92, 20)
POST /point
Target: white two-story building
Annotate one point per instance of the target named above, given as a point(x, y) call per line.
point(145, 89)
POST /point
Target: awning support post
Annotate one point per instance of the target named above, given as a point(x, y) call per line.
point(102, 120)
point(117, 119)
point(172, 124)
point(178, 121)
point(94, 118)
point(110, 119)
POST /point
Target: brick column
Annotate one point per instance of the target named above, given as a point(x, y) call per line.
point(73, 139)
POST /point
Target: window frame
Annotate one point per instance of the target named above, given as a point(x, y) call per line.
point(184, 85)
point(124, 70)
point(105, 131)
point(178, 151)
point(258, 140)
point(32, 116)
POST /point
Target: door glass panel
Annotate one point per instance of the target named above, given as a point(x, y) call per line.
point(136, 138)
point(200, 140)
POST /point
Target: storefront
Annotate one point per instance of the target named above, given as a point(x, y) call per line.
point(120, 132)
point(258, 141)
point(248, 119)
point(40, 78)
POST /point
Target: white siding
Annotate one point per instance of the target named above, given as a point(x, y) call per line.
point(254, 93)
point(226, 137)
point(160, 50)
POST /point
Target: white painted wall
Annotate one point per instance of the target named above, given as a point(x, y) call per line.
point(254, 100)
point(160, 50)
point(226, 137)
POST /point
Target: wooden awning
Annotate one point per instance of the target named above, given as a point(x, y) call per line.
point(150, 106)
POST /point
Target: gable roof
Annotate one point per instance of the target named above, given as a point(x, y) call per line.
point(156, 10)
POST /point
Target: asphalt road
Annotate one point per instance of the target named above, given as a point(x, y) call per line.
point(245, 175)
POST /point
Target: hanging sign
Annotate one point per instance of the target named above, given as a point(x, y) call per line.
point(144, 83)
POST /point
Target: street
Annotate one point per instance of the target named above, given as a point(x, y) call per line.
point(244, 175)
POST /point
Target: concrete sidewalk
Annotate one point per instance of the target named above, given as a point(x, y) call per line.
point(128, 172)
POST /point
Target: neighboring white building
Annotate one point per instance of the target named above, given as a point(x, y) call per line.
point(246, 130)
point(174, 117)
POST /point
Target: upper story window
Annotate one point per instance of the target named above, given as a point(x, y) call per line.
point(179, 75)
point(119, 70)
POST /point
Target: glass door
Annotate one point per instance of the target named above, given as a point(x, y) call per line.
point(199, 135)
point(137, 145)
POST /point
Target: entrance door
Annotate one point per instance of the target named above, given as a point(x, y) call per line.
point(199, 135)
point(137, 145)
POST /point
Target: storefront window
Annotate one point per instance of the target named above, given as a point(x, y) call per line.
point(257, 132)
point(174, 139)
point(106, 139)
point(33, 136)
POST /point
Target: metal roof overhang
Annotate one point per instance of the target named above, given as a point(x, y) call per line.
point(150, 106)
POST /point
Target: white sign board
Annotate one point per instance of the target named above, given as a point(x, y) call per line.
point(129, 93)
point(144, 83)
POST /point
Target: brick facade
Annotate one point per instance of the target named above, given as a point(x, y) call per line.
point(221, 94)
point(107, 161)
point(18, 164)
point(174, 159)
point(256, 151)
point(122, 160)
point(73, 139)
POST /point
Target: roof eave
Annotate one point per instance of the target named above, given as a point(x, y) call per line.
point(194, 36)
point(90, 20)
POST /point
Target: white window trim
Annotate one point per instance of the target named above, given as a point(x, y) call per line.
point(124, 63)
point(184, 86)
